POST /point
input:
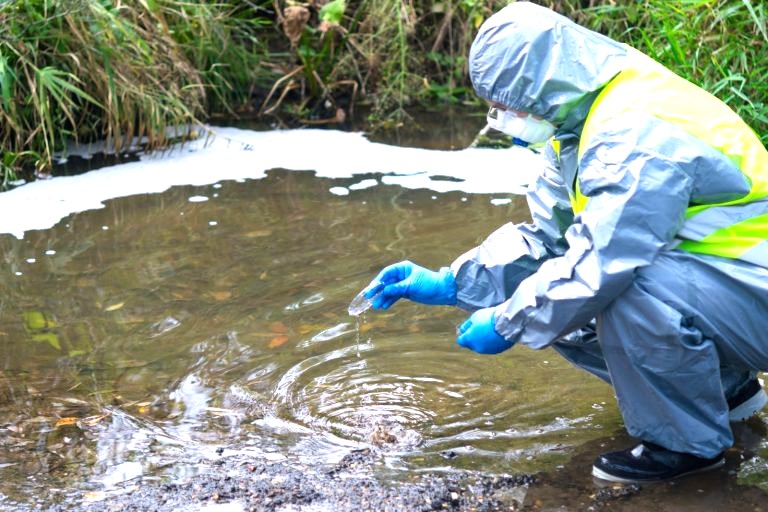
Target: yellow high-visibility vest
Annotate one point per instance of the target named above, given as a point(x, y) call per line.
point(731, 229)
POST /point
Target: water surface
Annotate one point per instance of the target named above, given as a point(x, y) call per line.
point(143, 339)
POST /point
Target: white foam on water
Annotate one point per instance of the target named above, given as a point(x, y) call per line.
point(364, 184)
point(238, 154)
point(339, 191)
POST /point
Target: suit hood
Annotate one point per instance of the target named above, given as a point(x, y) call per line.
point(531, 59)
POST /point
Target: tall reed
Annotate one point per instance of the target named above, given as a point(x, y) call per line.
point(97, 69)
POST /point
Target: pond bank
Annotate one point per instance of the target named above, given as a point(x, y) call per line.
point(90, 70)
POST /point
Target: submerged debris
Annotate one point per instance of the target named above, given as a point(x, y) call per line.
point(607, 495)
point(381, 435)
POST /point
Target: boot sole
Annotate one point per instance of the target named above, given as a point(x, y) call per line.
point(602, 475)
point(755, 404)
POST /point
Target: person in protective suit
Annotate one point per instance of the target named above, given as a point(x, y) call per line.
point(646, 262)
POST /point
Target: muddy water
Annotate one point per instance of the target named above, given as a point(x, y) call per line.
point(141, 340)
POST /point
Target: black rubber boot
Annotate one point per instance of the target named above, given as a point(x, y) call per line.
point(747, 402)
point(648, 462)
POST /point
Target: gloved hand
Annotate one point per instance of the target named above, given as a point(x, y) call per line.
point(406, 279)
point(478, 333)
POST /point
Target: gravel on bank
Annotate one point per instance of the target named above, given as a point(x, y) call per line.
point(259, 485)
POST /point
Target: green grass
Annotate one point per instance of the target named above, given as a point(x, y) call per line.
point(720, 45)
point(100, 69)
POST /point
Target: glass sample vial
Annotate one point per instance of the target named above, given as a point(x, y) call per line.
point(359, 304)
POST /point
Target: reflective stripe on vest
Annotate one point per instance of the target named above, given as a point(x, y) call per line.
point(734, 229)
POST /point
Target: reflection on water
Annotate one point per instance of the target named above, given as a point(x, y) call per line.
point(140, 340)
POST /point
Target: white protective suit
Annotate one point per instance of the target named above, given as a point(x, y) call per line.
point(676, 332)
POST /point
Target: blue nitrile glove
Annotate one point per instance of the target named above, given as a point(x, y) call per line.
point(478, 333)
point(406, 279)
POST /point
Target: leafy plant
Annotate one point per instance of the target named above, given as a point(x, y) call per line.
point(317, 39)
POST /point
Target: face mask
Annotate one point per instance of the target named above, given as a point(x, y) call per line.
point(523, 127)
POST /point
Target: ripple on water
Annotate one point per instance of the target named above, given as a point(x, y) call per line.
point(387, 398)
point(411, 395)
